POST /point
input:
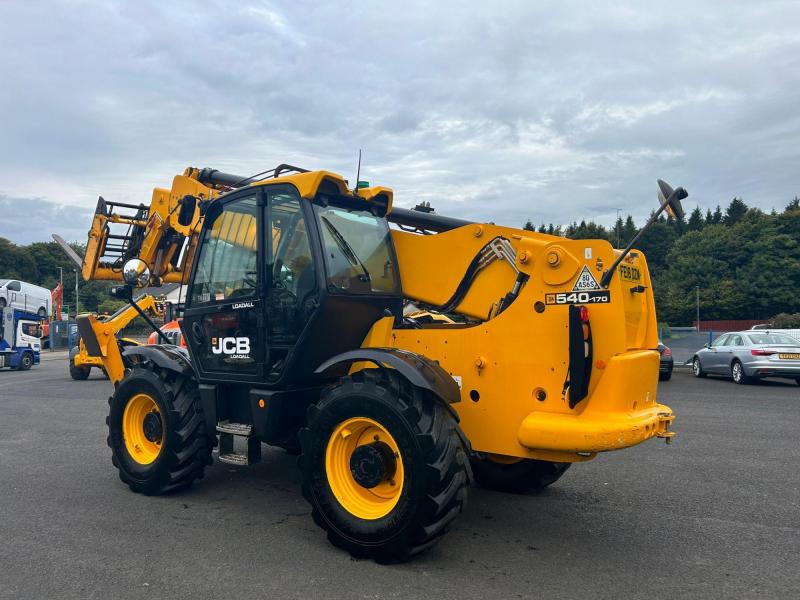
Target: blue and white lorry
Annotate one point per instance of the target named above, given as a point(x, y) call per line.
point(20, 338)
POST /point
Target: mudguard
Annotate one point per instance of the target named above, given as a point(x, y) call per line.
point(419, 370)
point(171, 358)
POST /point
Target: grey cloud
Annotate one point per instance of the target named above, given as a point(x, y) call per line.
point(26, 220)
point(554, 112)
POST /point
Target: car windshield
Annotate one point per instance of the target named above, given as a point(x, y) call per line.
point(773, 339)
point(3, 282)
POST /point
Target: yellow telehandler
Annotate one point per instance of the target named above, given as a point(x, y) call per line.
point(81, 362)
point(544, 354)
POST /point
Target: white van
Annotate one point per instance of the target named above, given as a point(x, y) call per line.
point(25, 296)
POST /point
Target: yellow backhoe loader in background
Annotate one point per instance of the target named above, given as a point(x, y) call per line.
point(107, 328)
point(544, 354)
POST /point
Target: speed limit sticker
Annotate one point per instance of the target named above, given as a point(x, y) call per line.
point(593, 297)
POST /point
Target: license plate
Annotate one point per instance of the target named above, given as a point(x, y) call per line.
point(789, 356)
point(630, 273)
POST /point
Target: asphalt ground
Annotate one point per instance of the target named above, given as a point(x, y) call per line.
point(714, 515)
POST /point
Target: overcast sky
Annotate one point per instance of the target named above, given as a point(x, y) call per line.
point(506, 111)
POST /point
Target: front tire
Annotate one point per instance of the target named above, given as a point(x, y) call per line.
point(25, 361)
point(156, 431)
point(384, 466)
point(737, 373)
point(78, 372)
point(516, 476)
point(697, 368)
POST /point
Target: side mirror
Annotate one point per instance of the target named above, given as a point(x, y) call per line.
point(136, 273)
point(671, 199)
point(706, 345)
point(186, 213)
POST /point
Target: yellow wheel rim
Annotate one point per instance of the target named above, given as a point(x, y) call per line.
point(141, 449)
point(365, 503)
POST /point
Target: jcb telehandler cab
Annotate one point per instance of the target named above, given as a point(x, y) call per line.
point(296, 337)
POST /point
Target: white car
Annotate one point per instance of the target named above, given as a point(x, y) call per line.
point(25, 296)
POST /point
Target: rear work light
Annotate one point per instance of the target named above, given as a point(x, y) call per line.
point(584, 313)
point(762, 352)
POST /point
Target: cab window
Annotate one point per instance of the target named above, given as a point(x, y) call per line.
point(31, 329)
point(291, 274)
point(735, 340)
point(226, 268)
point(357, 251)
point(14, 286)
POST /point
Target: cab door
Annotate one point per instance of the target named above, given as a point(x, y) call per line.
point(223, 322)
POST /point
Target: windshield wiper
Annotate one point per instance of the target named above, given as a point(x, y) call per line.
point(346, 249)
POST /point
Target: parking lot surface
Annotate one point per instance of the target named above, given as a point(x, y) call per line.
point(714, 515)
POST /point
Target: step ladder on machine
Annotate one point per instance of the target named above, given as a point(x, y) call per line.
point(228, 432)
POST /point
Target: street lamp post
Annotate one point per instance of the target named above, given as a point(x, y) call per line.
point(698, 306)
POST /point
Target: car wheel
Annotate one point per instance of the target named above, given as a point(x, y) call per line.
point(697, 368)
point(665, 376)
point(797, 380)
point(737, 372)
point(2, 303)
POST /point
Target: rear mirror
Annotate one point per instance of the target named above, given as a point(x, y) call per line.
point(671, 199)
point(186, 213)
point(136, 273)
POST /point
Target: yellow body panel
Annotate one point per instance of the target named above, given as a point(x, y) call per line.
point(505, 363)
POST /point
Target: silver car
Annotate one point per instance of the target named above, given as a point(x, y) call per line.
point(749, 355)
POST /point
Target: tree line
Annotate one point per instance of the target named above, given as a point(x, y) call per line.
point(39, 263)
point(745, 262)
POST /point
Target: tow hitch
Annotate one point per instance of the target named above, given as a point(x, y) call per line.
point(664, 421)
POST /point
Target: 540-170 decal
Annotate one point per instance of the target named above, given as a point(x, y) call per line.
point(593, 297)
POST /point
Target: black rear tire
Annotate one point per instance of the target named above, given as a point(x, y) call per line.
point(665, 376)
point(433, 454)
point(526, 475)
point(78, 372)
point(186, 447)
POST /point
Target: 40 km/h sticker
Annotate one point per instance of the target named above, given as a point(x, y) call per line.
point(595, 297)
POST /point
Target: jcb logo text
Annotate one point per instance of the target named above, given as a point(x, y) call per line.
point(230, 345)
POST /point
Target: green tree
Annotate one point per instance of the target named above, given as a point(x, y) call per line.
point(695, 220)
point(628, 231)
point(735, 211)
point(586, 231)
